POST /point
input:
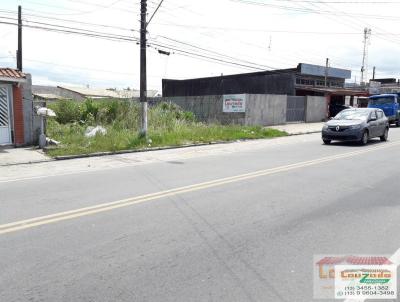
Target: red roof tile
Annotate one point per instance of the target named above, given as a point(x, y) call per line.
point(331, 260)
point(354, 260)
point(11, 73)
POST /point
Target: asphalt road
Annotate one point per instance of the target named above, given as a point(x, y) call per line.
point(238, 222)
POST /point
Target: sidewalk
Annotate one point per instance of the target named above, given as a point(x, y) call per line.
point(18, 156)
point(10, 156)
point(49, 168)
point(297, 129)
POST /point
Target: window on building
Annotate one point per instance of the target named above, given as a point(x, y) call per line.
point(307, 82)
point(335, 84)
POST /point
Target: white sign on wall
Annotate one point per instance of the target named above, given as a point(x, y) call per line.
point(234, 103)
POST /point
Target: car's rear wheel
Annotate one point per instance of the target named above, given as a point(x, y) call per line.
point(326, 141)
point(385, 135)
point(364, 138)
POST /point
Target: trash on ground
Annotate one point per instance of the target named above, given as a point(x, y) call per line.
point(51, 141)
point(93, 131)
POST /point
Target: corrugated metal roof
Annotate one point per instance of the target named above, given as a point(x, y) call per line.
point(106, 93)
point(47, 96)
point(90, 92)
point(11, 73)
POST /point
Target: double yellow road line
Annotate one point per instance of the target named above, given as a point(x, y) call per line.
point(104, 207)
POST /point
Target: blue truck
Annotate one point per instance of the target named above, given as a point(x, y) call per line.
point(389, 103)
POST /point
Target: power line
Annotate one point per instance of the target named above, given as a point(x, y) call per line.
point(82, 23)
point(113, 37)
point(109, 36)
point(206, 54)
point(78, 12)
point(271, 30)
point(152, 16)
point(87, 34)
point(341, 2)
point(309, 10)
point(201, 53)
point(213, 52)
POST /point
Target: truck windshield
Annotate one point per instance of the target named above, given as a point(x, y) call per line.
point(382, 101)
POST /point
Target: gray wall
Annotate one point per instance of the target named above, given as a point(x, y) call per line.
point(316, 109)
point(31, 121)
point(261, 109)
point(265, 109)
point(208, 109)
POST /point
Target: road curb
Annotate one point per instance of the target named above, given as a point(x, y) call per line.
point(27, 162)
point(100, 154)
point(304, 133)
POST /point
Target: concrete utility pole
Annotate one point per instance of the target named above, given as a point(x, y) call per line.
point(143, 66)
point(326, 72)
point(373, 73)
point(364, 67)
point(19, 51)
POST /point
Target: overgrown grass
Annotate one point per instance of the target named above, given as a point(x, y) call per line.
point(168, 126)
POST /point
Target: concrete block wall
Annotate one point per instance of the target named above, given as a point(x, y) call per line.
point(316, 109)
point(265, 109)
point(261, 109)
point(208, 109)
point(31, 123)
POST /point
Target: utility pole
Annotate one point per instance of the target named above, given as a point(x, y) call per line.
point(19, 51)
point(373, 73)
point(364, 67)
point(326, 72)
point(143, 66)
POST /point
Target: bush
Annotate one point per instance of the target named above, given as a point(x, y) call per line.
point(90, 110)
point(67, 111)
point(121, 114)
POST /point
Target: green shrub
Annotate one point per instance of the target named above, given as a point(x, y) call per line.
point(67, 111)
point(90, 110)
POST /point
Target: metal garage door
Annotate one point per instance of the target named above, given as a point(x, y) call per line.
point(5, 128)
point(296, 109)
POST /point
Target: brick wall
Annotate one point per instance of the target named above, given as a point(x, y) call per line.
point(18, 115)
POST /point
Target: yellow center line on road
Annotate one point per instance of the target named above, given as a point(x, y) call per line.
point(91, 210)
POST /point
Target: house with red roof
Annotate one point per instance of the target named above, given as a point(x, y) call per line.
point(17, 122)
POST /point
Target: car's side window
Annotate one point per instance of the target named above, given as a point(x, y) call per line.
point(373, 114)
point(380, 114)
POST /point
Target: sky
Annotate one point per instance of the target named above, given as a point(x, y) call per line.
point(203, 38)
